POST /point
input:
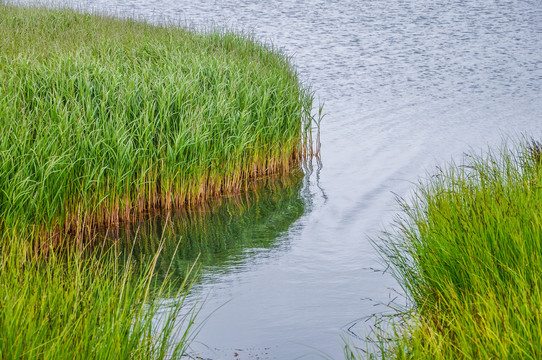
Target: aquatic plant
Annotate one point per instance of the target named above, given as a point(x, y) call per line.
point(468, 254)
point(70, 306)
point(104, 119)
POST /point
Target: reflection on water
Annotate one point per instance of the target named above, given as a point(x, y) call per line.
point(222, 233)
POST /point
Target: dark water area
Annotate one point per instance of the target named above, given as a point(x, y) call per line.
point(406, 85)
point(221, 234)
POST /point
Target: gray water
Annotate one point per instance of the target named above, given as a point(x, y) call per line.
point(406, 85)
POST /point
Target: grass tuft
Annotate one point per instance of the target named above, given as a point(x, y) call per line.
point(468, 253)
point(69, 306)
point(104, 119)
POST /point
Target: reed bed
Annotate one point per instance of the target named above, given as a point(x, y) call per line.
point(104, 119)
point(468, 253)
point(98, 307)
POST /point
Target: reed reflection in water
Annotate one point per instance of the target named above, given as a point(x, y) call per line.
point(220, 233)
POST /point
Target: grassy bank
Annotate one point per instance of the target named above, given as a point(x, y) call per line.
point(104, 119)
point(468, 253)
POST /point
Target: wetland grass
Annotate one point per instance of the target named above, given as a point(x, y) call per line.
point(104, 120)
point(468, 253)
point(75, 307)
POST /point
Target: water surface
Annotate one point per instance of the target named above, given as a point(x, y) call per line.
point(406, 85)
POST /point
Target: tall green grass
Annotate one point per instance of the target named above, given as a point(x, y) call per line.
point(70, 306)
point(468, 253)
point(103, 119)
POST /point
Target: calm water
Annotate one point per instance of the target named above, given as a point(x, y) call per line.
point(406, 85)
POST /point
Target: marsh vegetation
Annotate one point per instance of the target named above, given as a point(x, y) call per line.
point(468, 255)
point(105, 120)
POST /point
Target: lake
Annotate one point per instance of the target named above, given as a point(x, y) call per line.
point(289, 271)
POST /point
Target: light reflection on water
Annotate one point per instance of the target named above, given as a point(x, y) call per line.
point(406, 84)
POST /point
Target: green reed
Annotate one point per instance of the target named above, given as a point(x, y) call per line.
point(67, 306)
point(104, 119)
point(468, 253)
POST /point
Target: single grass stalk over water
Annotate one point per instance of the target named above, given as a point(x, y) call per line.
point(103, 119)
point(468, 253)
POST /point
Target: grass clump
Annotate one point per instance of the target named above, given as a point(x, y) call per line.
point(468, 253)
point(75, 307)
point(103, 119)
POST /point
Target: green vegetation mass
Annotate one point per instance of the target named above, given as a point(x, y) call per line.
point(97, 307)
point(468, 254)
point(104, 119)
